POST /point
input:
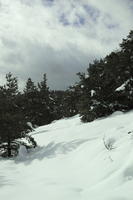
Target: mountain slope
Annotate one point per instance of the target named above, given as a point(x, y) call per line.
point(74, 161)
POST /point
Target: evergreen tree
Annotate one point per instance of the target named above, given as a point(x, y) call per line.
point(107, 86)
point(13, 124)
point(11, 86)
point(30, 98)
point(70, 101)
point(56, 103)
point(37, 104)
point(45, 114)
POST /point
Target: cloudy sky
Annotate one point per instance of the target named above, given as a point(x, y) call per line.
point(59, 37)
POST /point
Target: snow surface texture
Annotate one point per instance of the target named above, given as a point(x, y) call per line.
point(74, 161)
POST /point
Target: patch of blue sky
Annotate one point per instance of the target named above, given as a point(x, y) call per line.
point(80, 21)
point(109, 22)
point(48, 2)
point(112, 26)
point(131, 5)
point(93, 12)
point(63, 20)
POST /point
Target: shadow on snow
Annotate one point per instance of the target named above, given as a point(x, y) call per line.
point(50, 151)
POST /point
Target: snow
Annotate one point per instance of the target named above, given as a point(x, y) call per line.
point(93, 92)
point(72, 162)
point(122, 87)
point(86, 76)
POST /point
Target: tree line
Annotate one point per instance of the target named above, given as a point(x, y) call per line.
point(21, 112)
point(105, 87)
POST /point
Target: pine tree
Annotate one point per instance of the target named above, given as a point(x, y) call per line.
point(56, 103)
point(109, 82)
point(37, 103)
point(13, 124)
point(30, 98)
point(45, 111)
point(70, 101)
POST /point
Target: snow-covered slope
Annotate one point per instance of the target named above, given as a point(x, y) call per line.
point(74, 161)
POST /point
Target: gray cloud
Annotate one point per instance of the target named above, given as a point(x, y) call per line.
point(59, 37)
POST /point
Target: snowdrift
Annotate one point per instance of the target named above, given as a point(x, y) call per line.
point(74, 161)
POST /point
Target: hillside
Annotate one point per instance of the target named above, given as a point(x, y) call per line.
point(74, 161)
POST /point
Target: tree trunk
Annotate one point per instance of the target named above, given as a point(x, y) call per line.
point(9, 148)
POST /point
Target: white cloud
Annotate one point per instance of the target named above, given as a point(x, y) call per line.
point(59, 37)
